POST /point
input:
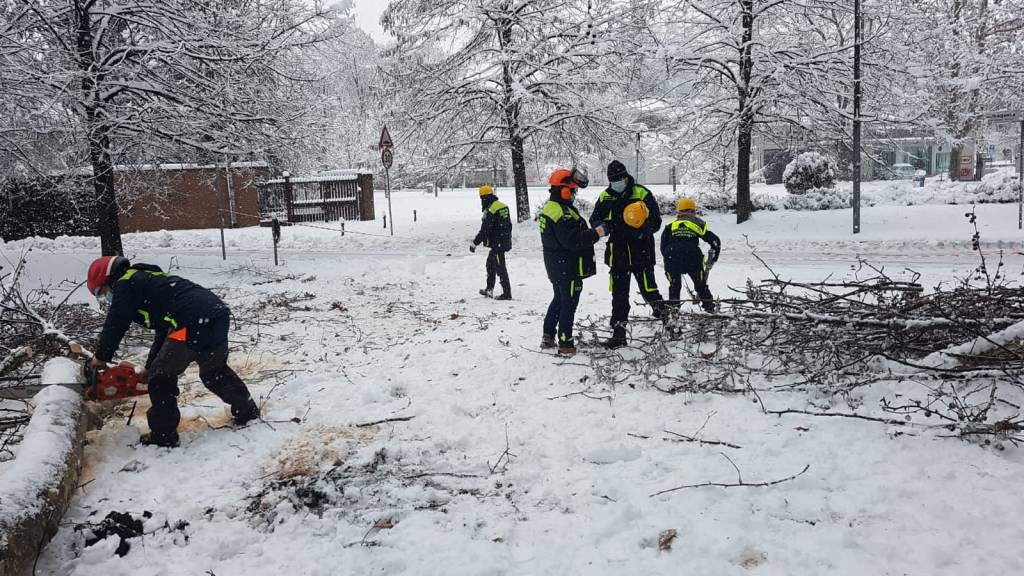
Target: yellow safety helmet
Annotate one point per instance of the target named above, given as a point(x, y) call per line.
point(486, 190)
point(686, 204)
point(635, 214)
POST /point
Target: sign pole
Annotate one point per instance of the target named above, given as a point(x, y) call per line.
point(386, 158)
point(855, 200)
point(387, 183)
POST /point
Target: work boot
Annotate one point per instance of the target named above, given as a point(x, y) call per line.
point(618, 339)
point(567, 351)
point(167, 440)
point(548, 342)
point(487, 293)
point(505, 296)
point(244, 414)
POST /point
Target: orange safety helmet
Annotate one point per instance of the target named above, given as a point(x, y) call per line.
point(568, 180)
point(635, 214)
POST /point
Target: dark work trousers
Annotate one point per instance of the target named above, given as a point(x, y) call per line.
point(562, 311)
point(207, 345)
point(695, 271)
point(618, 285)
point(496, 266)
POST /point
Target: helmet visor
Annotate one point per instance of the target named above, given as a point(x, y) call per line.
point(580, 176)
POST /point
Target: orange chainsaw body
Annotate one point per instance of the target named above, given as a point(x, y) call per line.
point(115, 383)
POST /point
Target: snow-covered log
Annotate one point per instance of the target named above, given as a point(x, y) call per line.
point(36, 489)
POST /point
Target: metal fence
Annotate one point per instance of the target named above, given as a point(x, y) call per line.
point(311, 199)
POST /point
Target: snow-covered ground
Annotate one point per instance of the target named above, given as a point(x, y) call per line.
point(502, 467)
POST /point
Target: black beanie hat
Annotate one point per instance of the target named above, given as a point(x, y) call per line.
point(617, 171)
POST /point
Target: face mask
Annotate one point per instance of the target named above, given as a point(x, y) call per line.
point(618, 185)
point(107, 298)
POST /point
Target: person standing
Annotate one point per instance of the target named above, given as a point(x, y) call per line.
point(680, 249)
point(631, 214)
point(496, 234)
point(568, 244)
point(191, 324)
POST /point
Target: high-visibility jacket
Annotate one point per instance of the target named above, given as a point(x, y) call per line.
point(680, 244)
point(146, 295)
point(496, 226)
point(628, 248)
point(567, 240)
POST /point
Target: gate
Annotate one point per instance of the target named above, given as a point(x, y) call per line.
point(317, 198)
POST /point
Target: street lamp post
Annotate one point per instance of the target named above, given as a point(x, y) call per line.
point(856, 115)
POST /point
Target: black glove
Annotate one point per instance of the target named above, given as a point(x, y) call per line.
point(472, 248)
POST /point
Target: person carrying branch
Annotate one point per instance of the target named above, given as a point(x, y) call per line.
point(568, 256)
point(191, 324)
point(496, 234)
point(680, 248)
point(631, 214)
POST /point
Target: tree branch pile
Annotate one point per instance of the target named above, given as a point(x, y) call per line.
point(955, 352)
point(35, 325)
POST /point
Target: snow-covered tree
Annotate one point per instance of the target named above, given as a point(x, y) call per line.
point(967, 57)
point(735, 65)
point(118, 80)
point(476, 74)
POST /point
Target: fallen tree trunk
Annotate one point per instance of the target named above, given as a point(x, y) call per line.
point(36, 489)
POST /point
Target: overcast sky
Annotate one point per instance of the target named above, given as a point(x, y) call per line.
point(367, 13)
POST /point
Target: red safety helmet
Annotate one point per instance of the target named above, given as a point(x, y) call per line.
point(568, 180)
point(100, 270)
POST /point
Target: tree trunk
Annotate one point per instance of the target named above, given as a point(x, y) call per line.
point(744, 207)
point(519, 173)
point(512, 124)
point(108, 226)
point(98, 136)
point(745, 130)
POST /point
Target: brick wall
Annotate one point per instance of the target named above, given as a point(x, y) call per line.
point(182, 197)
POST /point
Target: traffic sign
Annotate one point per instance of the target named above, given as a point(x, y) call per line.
point(1005, 116)
point(386, 157)
point(385, 139)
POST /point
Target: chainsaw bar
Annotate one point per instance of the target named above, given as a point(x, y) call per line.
point(28, 391)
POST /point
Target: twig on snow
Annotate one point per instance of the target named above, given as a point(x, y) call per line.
point(739, 481)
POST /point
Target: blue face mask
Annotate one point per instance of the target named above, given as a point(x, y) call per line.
point(107, 297)
point(618, 185)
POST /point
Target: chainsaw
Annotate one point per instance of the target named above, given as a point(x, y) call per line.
point(112, 382)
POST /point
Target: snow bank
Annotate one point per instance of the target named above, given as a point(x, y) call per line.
point(36, 488)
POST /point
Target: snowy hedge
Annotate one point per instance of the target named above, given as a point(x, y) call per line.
point(716, 201)
point(820, 199)
point(809, 171)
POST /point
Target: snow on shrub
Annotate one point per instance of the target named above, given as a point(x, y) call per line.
point(809, 171)
point(715, 201)
point(820, 199)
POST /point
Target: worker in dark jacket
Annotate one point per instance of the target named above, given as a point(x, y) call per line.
point(631, 214)
point(496, 234)
point(191, 324)
point(680, 248)
point(568, 256)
